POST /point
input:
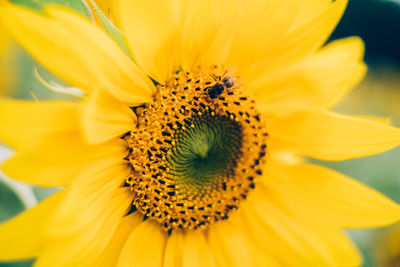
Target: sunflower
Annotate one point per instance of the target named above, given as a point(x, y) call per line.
point(192, 149)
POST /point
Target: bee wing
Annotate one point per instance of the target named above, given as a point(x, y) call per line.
point(231, 71)
point(238, 82)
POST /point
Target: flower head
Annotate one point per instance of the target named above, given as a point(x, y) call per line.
point(188, 148)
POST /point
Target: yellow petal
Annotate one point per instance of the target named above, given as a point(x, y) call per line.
point(88, 194)
point(58, 159)
point(109, 256)
point(232, 246)
point(24, 123)
point(77, 51)
point(341, 201)
point(229, 246)
point(174, 250)
point(155, 30)
point(258, 35)
point(24, 236)
point(138, 251)
point(307, 244)
point(259, 255)
point(104, 118)
point(309, 9)
point(320, 81)
point(206, 42)
point(196, 250)
point(306, 39)
point(84, 247)
point(150, 28)
point(329, 136)
point(284, 45)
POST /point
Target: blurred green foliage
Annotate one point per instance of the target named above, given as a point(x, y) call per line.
point(10, 205)
point(77, 5)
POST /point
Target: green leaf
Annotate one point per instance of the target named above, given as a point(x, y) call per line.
point(27, 263)
point(78, 5)
point(10, 204)
point(44, 192)
point(113, 31)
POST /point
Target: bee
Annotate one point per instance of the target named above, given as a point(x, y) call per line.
point(226, 82)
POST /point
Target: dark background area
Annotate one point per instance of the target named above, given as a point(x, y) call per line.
point(377, 22)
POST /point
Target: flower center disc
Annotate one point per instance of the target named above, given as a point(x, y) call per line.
point(205, 153)
point(196, 150)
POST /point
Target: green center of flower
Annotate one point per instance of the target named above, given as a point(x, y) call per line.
point(205, 153)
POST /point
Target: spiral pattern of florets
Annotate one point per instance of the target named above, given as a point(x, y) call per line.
point(195, 157)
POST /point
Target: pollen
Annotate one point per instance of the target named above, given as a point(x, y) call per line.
point(197, 150)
